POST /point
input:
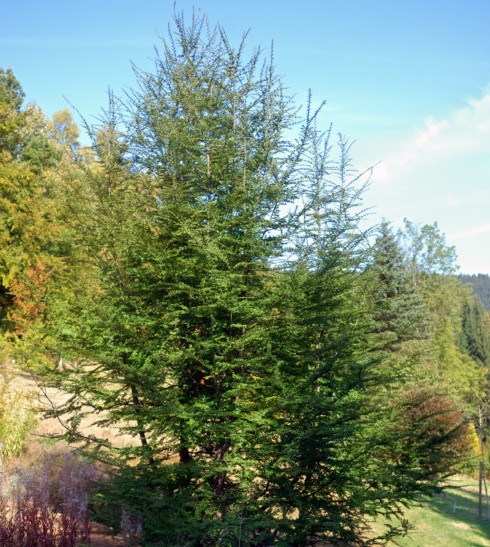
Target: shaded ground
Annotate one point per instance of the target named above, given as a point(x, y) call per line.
point(101, 537)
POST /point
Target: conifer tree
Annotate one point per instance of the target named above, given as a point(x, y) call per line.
point(179, 243)
point(433, 264)
point(398, 312)
point(224, 330)
point(475, 338)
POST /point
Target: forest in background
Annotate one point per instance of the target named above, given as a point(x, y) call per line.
point(202, 281)
point(481, 287)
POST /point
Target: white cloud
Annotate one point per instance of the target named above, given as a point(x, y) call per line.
point(479, 230)
point(442, 173)
point(465, 131)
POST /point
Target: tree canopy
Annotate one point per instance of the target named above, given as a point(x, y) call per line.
point(208, 280)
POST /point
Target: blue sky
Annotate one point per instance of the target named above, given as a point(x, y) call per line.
point(409, 81)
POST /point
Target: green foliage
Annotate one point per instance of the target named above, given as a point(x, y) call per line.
point(475, 336)
point(398, 312)
point(17, 420)
point(206, 277)
point(481, 287)
point(10, 89)
point(31, 227)
point(426, 250)
point(432, 264)
point(11, 118)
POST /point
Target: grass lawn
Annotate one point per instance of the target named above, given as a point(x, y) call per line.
point(449, 520)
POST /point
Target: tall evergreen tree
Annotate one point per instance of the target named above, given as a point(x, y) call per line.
point(181, 318)
point(398, 312)
point(475, 338)
point(241, 364)
point(481, 286)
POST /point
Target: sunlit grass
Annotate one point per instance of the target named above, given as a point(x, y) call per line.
point(449, 520)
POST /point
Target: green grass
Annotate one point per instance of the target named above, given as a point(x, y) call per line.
point(435, 523)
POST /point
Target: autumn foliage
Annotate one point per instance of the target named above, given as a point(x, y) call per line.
point(434, 425)
point(29, 297)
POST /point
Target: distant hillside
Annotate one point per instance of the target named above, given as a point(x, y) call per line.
point(481, 286)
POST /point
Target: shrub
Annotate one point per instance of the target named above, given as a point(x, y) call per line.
point(46, 505)
point(16, 421)
point(434, 425)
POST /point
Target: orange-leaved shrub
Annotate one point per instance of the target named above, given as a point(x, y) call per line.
point(434, 426)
